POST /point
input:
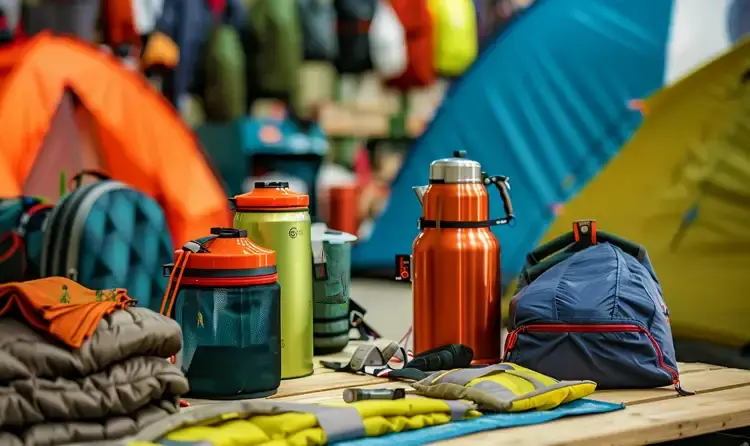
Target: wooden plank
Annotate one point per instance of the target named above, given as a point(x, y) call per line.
point(652, 415)
point(337, 394)
point(327, 385)
point(690, 367)
point(710, 379)
point(637, 425)
point(318, 382)
point(723, 402)
point(326, 381)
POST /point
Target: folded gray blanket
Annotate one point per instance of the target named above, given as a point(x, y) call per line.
point(88, 432)
point(27, 353)
point(116, 383)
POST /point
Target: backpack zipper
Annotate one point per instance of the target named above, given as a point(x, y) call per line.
point(510, 342)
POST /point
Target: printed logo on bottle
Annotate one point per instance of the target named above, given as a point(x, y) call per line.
point(294, 232)
point(403, 267)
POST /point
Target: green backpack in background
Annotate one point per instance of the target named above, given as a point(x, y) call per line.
point(225, 92)
point(275, 51)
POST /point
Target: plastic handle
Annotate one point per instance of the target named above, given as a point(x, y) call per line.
point(628, 247)
point(76, 181)
point(549, 248)
point(199, 245)
point(559, 249)
point(502, 185)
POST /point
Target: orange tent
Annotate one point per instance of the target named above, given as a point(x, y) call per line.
point(65, 105)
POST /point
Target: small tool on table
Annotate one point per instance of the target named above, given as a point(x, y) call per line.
point(352, 395)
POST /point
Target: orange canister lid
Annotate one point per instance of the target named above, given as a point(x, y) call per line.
point(227, 252)
point(271, 195)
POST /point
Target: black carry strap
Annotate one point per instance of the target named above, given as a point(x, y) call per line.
point(357, 320)
point(583, 235)
point(392, 360)
point(373, 358)
point(198, 246)
point(77, 179)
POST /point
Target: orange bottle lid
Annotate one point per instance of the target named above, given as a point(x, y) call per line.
point(271, 195)
point(226, 256)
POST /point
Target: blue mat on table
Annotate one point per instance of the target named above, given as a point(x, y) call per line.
point(486, 423)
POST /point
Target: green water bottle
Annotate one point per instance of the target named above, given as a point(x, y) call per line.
point(278, 218)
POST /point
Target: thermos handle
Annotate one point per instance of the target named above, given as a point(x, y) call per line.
point(503, 186)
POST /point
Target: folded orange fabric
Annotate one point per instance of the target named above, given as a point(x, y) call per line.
point(61, 307)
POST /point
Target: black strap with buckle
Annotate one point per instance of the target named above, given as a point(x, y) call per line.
point(357, 320)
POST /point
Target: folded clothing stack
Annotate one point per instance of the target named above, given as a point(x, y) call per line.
point(117, 381)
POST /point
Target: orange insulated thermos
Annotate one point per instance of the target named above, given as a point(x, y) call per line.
point(456, 260)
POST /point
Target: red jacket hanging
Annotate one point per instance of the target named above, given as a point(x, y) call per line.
point(417, 21)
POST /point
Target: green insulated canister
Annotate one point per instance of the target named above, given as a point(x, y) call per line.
point(277, 218)
point(331, 289)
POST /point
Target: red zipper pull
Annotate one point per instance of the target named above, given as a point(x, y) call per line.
point(680, 391)
point(510, 342)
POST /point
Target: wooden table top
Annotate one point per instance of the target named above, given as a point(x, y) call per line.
point(722, 402)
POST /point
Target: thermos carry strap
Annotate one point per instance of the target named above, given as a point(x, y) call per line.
point(583, 235)
point(503, 186)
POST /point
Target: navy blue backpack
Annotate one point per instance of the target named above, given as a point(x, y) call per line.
point(590, 307)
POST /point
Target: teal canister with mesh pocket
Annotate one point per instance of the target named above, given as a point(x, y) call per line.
point(228, 304)
point(331, 289)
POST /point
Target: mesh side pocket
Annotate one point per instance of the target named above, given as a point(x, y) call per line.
point(231, 339)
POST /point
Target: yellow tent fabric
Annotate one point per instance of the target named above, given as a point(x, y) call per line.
point(681, 188)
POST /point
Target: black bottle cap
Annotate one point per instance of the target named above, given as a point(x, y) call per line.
point(272, 184)
point(229, 232)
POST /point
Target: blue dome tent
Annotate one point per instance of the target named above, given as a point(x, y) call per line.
point(545, 104)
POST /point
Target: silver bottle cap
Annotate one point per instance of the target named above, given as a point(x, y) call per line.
point(455, 170)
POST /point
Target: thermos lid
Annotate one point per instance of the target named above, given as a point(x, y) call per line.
point(323, 234)
point(455, 170)
point(271, 195)
point(226, 253)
